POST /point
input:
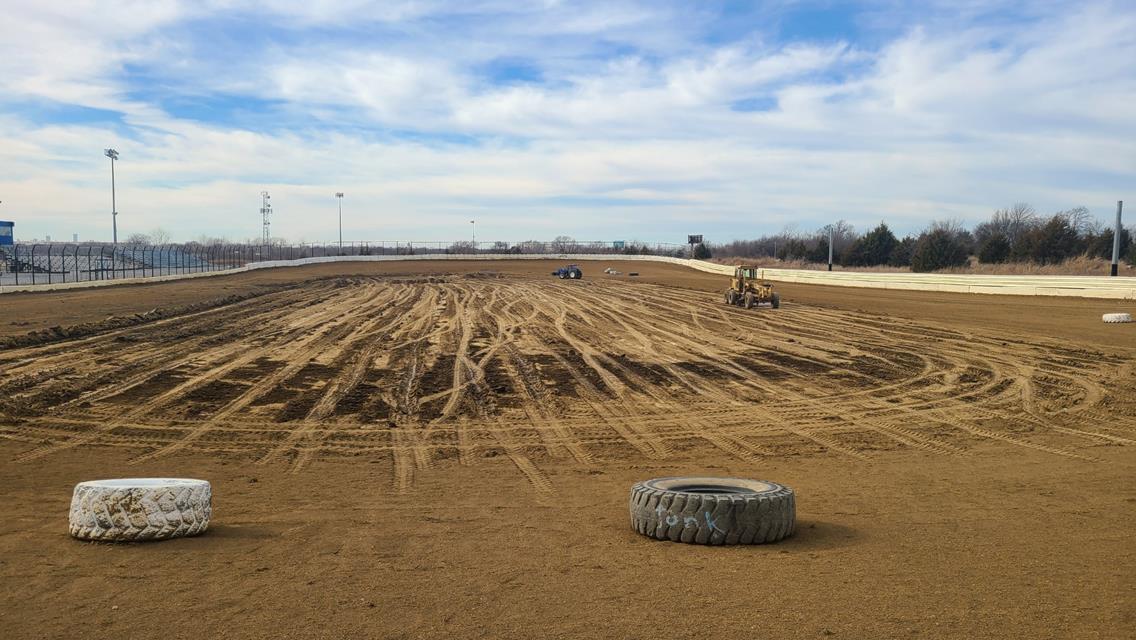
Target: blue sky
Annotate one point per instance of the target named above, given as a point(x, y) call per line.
point(599, 120)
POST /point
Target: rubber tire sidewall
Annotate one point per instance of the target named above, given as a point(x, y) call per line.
point(713, 518)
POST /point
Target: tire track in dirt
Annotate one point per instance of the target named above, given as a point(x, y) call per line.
point(474, 367)
point(336, 330)
point(158, 350)
point(240, 356)
point(308, 440)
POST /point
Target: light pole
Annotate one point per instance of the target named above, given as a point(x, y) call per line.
point(113, 155)
point(831, 233)
point(339, 196)
point(474, 223)
point(1116, 239)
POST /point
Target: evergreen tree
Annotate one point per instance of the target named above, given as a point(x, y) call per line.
point(995, 249)
point(901, 255)
point(938, 248)
point(873, 248)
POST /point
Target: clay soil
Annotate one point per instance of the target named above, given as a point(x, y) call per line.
point(437, 450)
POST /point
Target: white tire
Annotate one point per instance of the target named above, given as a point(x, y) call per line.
point(135, 509)
point(1117, 317)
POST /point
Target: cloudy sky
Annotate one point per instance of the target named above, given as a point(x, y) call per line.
point(606, 120)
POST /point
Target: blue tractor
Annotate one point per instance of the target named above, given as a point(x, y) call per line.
point(571, 272)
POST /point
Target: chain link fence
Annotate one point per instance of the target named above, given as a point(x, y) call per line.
point(49, 263)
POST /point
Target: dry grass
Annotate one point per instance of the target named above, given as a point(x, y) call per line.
point(775, 263)
point(1079, 266)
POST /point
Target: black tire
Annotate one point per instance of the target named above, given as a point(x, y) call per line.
point(562, 275)
point(749, 300)
point(575, 274)
point(730, 300)
point(776, 301)
point(713, 510)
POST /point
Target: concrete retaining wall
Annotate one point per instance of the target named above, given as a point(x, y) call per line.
point(1074, 286)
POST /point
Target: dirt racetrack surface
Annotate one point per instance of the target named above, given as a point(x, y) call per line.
point(444, 450)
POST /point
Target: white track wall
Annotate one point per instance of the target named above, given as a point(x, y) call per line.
point(1123, 288)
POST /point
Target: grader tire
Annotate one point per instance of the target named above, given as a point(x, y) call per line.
point(138, 509)
point(749, 301)
point(776, 302)
point(1113, 318)
point(714, 511)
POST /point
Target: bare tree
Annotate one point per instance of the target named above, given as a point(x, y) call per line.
point(159, 236)
point(1019, 218)
point(1080, 220)
point(209, 241)
point(563, 244)
point(138, 238)
point(952, 226)
point(843, 235)
point(1012, 223)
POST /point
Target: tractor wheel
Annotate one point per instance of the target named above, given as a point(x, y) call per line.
point(776, 301)
point(729, 298)
point(749, 300)
point(575, 274)
point(562, 275)
point(713, 510)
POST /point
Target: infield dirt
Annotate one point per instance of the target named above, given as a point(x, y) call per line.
point(444, 449)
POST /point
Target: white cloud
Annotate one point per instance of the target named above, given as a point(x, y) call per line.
point(628, 131)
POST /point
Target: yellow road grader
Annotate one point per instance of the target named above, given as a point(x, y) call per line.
point(749, 288)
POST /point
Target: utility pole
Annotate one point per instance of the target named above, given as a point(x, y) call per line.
point(1116, 239)
point(265, 211)
point(339, 196)
point(113, 155)
point(831, 229)
point(474, 223)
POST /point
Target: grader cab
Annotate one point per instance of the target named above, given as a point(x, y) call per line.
point(749, 288)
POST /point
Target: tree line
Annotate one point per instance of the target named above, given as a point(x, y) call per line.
point(1014, 234)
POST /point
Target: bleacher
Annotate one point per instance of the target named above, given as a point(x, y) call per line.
point(95, 262)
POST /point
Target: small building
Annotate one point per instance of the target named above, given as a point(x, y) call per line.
point(7, 233)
